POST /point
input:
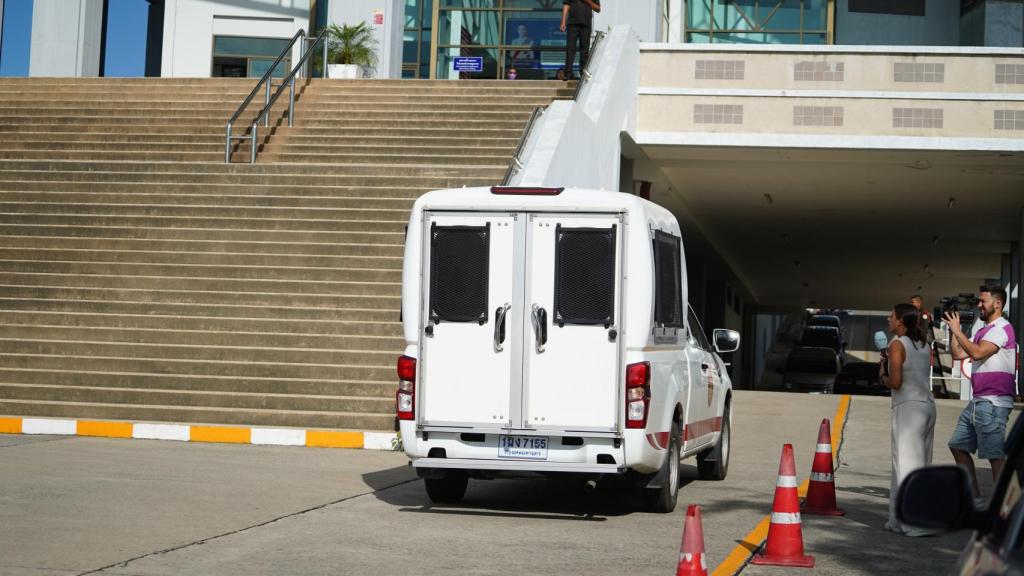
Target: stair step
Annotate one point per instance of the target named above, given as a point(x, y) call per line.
point(139, 380)
point(377, 332)
point(196, 399)
point(366, 297)
point(353, 252)
point(63, 301)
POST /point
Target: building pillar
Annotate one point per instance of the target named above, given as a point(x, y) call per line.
point(67, 38)
point(154, 38)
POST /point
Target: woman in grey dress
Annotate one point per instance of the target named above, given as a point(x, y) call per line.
point(913, 410)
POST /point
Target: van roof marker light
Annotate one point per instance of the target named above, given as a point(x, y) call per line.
point(515, 190)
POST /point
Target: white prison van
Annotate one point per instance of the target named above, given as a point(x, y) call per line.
point(547, 331)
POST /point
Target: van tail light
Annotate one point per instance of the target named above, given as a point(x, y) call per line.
point(638, 394)
point(405, 398)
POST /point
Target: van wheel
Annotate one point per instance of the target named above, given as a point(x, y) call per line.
point(450, 488)
point(714, 464)
point(663, 499)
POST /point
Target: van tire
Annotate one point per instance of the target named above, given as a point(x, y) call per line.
point(714, 464)
point(447, 489)
point(663, 499)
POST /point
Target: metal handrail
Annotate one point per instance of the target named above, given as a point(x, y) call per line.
point(517, 163)
point(288, 81)
point(585, 73)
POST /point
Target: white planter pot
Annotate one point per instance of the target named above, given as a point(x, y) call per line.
point(346, 71)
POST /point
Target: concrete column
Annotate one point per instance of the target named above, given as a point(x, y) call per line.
point(390, 14)
point(66, 38)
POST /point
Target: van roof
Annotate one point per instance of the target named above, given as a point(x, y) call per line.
point(569, 200)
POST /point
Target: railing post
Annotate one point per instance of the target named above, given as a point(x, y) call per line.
point(252, 152)
point(302, 49)
point(325, 57)
point(227, 145)
point(291, 103)
point(266, 117)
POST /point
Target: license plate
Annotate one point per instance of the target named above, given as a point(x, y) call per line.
point(523, 447)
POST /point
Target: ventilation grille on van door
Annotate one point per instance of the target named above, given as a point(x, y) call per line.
point(584, 276)
point(458, 273)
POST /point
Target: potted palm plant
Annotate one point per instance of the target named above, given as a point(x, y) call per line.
point(351, 50)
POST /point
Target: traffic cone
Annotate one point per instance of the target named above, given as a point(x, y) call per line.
point(821, 491)
point(785, 546)
point(691, 553)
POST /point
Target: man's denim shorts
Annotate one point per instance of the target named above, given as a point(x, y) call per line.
point(981, 427)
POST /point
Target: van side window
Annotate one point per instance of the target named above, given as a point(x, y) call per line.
point(668, 294)
point(697, 335)
point(585, 276)
point(459, 273)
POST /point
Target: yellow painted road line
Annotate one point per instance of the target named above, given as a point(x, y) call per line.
point(10, 425)
point(737, 559)
point(105, 429)
point(219, 434)
point(326, 439)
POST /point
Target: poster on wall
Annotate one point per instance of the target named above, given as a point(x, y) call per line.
point(378, 17)
point(535, 35)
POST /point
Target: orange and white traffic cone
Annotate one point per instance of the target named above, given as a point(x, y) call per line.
point(821, 491)
point(691, 552)
point(785, 546)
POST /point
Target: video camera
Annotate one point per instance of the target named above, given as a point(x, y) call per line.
point(965, 303)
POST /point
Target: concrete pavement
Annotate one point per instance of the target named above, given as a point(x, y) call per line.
point(131, 507)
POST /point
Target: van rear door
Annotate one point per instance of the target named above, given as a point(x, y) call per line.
point(521, 314)
point(571, 322)
point(465, 357)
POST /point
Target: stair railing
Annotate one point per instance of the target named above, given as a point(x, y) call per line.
point(268, 82)
point(289, 82)
point(517, 162)
point(585, 73)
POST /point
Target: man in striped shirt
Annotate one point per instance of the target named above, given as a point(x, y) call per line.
point(993, 349)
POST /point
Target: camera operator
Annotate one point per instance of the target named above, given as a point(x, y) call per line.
point(992, 348)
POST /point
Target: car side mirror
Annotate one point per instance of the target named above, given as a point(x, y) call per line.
point(726, 340)
point(937, 497)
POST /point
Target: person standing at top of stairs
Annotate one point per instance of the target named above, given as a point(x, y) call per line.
point(578, 24)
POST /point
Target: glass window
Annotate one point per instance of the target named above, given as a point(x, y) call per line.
point(668, 295)
point(696, 332)
point(757, 21)
point(240, 46)
point(474, 28)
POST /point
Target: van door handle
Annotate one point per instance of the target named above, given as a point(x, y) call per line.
point(499, 327)
point(704, 367)
point(539, 316)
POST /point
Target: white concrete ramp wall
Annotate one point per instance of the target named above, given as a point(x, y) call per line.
point(577, 144)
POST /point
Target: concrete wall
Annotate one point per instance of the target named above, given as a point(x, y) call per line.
point(388, 34)
point(66, 38)
point(189, 27)
point(578, 143)
point(940, 26)
point(762, 86)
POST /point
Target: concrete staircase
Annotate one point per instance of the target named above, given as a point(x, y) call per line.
point(141, 278)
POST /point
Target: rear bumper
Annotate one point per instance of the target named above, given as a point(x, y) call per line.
point(518, 465)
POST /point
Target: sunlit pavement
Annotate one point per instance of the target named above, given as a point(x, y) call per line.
point(75, 505)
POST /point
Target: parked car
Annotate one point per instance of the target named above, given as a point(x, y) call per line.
point(859, 378)
point(810, 369)
point(547, 332)
point(941, 498)
point(825, 320)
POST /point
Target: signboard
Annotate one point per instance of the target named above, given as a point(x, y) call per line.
point(468, 64)
point(537, 36)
